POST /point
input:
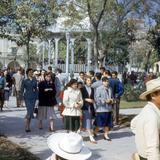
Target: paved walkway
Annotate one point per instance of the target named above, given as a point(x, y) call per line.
point(12, 125)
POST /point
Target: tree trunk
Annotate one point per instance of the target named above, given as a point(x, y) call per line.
point(96, 46)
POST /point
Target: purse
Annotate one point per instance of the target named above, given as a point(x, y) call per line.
point(36, 110)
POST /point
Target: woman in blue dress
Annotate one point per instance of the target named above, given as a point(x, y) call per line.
point(30, 94)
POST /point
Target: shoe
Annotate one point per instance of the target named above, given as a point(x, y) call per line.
point(101, 131)
point(51, 130)
point(107, 138)
point(92, 140)
point(94, 134)
point(27, 130)
point(79, 131)
point(40, 128)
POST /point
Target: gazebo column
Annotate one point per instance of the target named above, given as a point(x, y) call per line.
point(49, 51)
point(67, 54)
point(72, 58)
point(89, 42)
point(56, 50)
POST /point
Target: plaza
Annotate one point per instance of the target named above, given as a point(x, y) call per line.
point(12, 125)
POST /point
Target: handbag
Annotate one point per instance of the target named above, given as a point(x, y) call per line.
point(61, 109)
point(36, 110)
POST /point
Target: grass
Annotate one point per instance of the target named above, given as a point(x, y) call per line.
point(132, 104)
point(12, 151)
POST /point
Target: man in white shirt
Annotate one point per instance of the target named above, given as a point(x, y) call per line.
point(146, 125)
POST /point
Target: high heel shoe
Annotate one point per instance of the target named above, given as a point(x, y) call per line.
point(27, 130)
point(51, 130)
point(107, 138)
point(92, 140)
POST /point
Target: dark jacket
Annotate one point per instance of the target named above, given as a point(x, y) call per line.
point(86, 105)
point(47, 98)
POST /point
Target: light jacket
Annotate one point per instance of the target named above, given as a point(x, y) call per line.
point(101, 96)
point(146, 127)
point(70, 97)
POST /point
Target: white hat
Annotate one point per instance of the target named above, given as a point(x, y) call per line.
point(152, 86)
point(69, 146)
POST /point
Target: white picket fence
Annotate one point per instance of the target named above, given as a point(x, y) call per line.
point(76, 67)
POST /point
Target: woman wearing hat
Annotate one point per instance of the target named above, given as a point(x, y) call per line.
point(68, 146)
point(146, 125)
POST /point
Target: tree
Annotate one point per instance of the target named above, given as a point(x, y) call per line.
point(30, 20)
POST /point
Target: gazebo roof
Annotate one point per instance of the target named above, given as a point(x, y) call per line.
point(59, 27)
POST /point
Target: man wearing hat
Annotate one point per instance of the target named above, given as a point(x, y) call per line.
point(146, 125)
point(68, 146)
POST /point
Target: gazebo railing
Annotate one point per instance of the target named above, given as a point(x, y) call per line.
point(76, 68)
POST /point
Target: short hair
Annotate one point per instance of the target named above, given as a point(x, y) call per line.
point(59, 70)
point(102, 68)
point(28, 70)
point(98, 75)
point(71, 82)
point(48, 74)
point(104, 79)
point(50, 68)
point(81, 73)
point(107, 72)
point(115, 72)
point(91, 72)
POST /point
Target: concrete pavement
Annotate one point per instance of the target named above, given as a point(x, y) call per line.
point(12, 125)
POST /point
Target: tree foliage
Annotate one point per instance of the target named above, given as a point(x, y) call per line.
point(30, 19)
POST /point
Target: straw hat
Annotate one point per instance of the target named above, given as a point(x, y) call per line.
point(69, 146)
point(152, 86)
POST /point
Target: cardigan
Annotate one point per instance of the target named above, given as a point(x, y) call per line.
point(70, 98)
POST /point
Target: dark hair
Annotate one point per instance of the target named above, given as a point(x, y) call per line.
point(80, 83)
point(98, 75)
point(104, 79)
point(50, 68)
point(70, 83)
point(87, 78)
point(102, 68)
point(107, 72)
point(47, 73)
point(115, 72)
point(148, 97)
point(59, 70)
point(28, 70)
point(59, 158)
point(91, 72)
point(81, 73)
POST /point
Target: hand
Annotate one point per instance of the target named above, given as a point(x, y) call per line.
point(77, 105)
point(46, 90)
point(108, 101)
point(89, 100)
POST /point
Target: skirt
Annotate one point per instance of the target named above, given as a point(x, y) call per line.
point(87, 119)
point(30, 104)
point(104, 119)
point(72, 123)
point(46, 112)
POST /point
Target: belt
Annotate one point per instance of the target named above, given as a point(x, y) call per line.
point(141, 158)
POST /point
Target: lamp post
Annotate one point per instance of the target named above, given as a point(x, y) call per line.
point(67, 54)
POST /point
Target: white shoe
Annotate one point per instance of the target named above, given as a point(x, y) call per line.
point(79, 131)
point(92, 140)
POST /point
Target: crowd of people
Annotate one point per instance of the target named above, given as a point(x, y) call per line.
point(89, 102)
